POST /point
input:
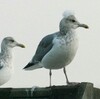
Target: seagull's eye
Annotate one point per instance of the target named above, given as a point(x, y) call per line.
point(72, 20)
point(11, 40)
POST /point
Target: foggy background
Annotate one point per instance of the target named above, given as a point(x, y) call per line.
point(28, 21)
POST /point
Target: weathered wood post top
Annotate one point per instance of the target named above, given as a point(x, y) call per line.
point(80, 91)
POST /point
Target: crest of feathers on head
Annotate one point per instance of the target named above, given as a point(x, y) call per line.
point(67, 13)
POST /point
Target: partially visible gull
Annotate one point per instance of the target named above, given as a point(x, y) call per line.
point(6, 67)
point(57, 50)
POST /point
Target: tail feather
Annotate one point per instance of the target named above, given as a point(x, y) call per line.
point(32, 66)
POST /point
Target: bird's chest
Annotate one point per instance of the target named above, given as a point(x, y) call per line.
point(61, 54)
point(65, 49)
point(6, 61)
point(5, 75)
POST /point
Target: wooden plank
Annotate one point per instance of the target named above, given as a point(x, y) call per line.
point(80, 91)
point(96, 93)
point(88, 93)
point(54, 92)
point(5, 93)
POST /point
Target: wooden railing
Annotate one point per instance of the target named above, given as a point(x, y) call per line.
point(79, 91)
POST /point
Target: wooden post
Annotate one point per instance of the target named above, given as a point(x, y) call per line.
point(79, 91)
point(87, 93)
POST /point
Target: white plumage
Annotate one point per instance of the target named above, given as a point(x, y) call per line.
point(6, 68)
point(57, 50)
point(68, 13)
point(61, 53)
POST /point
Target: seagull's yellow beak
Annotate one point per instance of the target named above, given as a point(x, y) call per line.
point(84, 26)
point(21, 45)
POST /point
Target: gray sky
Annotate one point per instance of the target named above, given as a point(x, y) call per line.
point(28, 21)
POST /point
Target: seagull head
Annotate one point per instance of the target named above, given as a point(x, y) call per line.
point(10, 42)
point(69, 21)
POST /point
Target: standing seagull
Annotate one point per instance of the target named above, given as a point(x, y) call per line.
point(6, 68)
point(57, 50)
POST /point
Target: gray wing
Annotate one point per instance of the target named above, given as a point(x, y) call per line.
point(1, 64)
point(43, 48)
point(1, 67)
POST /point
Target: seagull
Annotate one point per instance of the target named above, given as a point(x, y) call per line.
point(6, 68)
point(57, 50)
